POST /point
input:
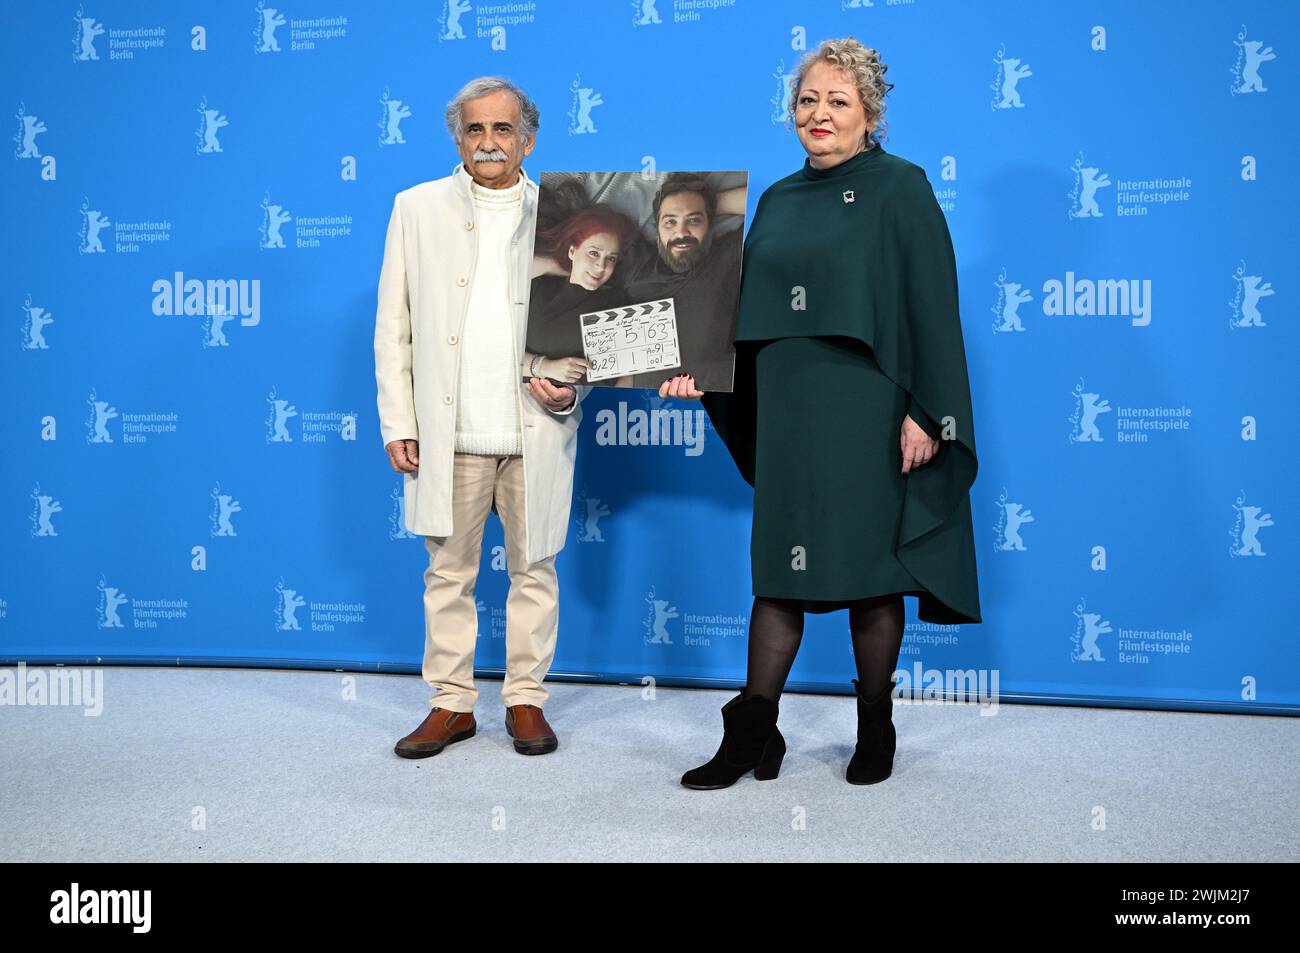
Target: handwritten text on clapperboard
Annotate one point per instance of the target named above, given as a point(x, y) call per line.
point(631, 339)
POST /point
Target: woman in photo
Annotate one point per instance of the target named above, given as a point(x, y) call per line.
point(574, 266)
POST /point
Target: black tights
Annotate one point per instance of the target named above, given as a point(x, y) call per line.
point(776, 629)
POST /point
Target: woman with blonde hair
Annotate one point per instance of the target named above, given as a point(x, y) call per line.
point(851, 413)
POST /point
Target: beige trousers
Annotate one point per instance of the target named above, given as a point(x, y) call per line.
point(450, 606)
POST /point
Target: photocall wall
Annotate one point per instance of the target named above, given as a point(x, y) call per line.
point(197, 199)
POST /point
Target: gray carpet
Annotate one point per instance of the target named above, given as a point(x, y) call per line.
point(278, 766)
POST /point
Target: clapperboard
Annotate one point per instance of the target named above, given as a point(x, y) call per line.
point(631, 339)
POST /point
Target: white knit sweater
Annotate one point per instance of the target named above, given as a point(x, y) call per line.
point(487, 416)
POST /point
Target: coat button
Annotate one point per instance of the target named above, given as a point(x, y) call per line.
point(469, 225)
point(452, 339)
point(446, 398)
point(462, 281)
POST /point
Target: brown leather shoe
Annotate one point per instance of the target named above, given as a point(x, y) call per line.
point(439, 729)
point(527, 725)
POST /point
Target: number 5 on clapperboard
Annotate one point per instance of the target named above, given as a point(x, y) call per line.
point(631, 339)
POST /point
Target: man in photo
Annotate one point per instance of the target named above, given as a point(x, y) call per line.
point(700, 270)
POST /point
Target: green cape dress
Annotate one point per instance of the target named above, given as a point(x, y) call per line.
point(848, 321)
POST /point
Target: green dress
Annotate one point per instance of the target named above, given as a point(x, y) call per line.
point(848, 322)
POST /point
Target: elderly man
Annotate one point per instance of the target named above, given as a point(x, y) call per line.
point(471, 420)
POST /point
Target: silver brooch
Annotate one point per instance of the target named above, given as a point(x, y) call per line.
point(848, 196)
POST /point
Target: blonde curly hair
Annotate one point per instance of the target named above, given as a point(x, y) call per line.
point(867, 70)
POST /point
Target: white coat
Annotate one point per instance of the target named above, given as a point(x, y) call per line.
point(428, 269)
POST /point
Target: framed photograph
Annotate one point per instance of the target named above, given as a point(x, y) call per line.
point(639, 274)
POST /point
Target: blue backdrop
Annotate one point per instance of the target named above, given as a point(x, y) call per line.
point(200, 476)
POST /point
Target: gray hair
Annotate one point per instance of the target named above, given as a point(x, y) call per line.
point(863, 66)
point(529, 117)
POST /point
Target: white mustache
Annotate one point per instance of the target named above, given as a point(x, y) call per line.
point(496, 155)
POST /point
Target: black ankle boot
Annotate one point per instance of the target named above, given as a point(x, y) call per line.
point(750, 742)
point(873, 759)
